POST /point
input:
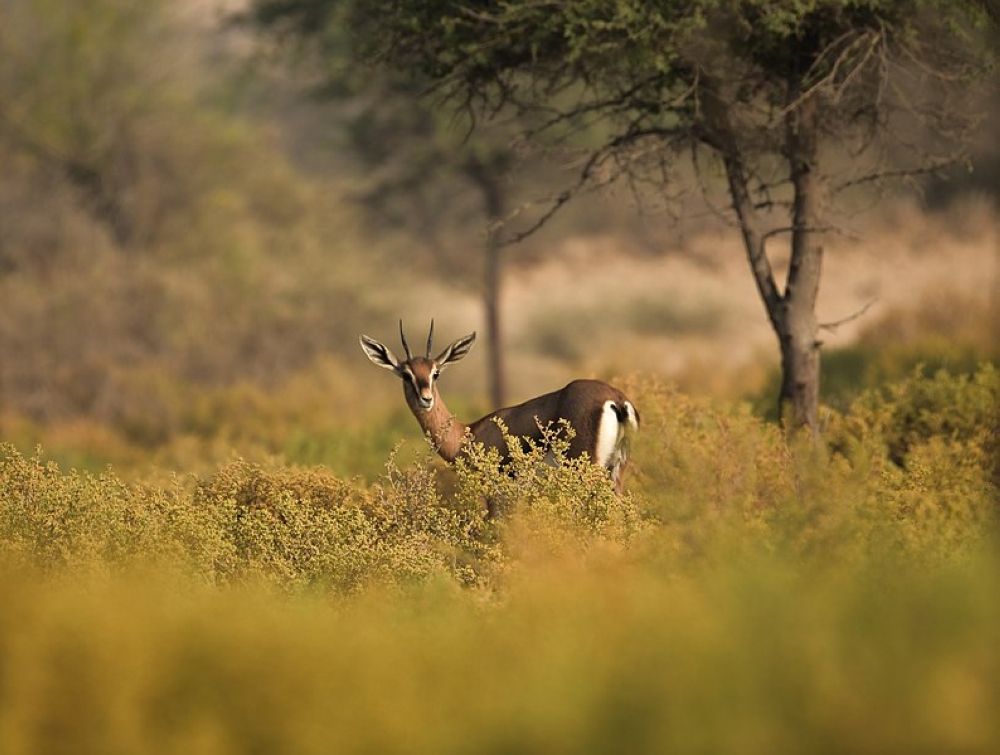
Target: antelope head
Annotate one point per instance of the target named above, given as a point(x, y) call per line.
point(419, 373)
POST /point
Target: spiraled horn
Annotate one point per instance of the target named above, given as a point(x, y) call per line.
point(402, 337)
point(430, 337)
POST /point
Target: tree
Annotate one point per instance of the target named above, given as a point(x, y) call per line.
point(406, 145)
point(84, 87)
point(794, 101)
point(411, 148)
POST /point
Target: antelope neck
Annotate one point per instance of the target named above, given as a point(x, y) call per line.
point(445, 429)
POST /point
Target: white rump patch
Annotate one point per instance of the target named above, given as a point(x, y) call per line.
point(608, 436)
point(612, 446)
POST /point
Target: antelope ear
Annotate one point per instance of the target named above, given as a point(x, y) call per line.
point(379, 354)
point(456, 351)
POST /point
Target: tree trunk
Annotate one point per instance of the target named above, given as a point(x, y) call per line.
point(491, 296)
point(792, 313)
point(488, 175)
point(799, 331)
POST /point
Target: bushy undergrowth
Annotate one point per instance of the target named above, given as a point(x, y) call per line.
point(747, 595)
point(961, 409)
point(943, 331)
point(299, 529)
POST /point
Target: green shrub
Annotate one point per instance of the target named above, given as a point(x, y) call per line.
point(81, 523)
point(962, 410)
point(946, 331)
point(719, 480)
point(848, 372)
point(297, 529)
point(545, 504)
point(302, 528)
point(747, 595)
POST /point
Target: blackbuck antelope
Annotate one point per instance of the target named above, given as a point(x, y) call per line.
point(601, 416)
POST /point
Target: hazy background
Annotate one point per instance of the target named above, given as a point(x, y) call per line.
point(190, 245)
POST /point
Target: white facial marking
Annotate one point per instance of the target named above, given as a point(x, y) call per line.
point(424, 390)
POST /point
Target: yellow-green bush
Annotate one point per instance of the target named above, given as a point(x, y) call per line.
point(942, 331)
point(749, 656)
point(569, 497)
point(911, 463)
point(297, 529)
point(307, 528)
point(963, 409)
point(78, 523)
point(747, 595)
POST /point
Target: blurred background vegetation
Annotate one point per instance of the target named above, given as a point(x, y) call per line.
point(191, 240)
point(194, 228)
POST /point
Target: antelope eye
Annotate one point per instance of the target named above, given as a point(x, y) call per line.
point(436, 373)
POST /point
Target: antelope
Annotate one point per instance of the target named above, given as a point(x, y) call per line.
point(602, 418)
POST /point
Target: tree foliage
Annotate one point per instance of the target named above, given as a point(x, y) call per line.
point(653, 70)
point(793, 102)
point(444, 170)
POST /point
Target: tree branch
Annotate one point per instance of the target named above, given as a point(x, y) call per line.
point(586, 179)
point(832, 326)
point(717, 133)
point(882, 175)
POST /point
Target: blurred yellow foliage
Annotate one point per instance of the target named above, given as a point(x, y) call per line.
point(749, 594)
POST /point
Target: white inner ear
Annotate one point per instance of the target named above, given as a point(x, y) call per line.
point(379, 354)
point(380, 361)
point(393, 362)
point(456, 351)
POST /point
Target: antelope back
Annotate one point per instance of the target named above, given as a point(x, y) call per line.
point(595, 410)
